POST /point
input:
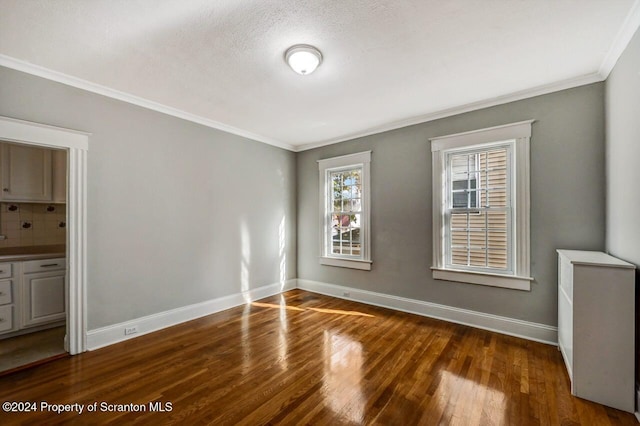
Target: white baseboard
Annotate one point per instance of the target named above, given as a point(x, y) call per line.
point(513, 327)
point(111, 334)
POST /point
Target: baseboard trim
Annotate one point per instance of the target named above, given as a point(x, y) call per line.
point(637, 413)
point(111, 334)
point(504, 325)
point(105, 336)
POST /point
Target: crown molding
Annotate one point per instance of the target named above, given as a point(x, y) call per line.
point(39, 71)
point(621, 41)
point(499, 100)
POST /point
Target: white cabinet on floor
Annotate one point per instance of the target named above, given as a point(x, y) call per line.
point(26, 173)
point(32, 295)
point(43, 292)
point(596, 326)
point(7, 298)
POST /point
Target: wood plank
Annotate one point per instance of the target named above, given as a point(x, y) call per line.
point(303, 358)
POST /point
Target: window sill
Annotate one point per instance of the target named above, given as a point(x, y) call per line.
point(493, 280)
point(364, 265)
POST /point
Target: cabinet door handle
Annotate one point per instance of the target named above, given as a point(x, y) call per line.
point(5, 189)
point(48, 265)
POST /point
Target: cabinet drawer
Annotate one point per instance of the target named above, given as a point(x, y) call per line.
point(44, 265)
point(6, 318)
point(6, 295)
point(6, 270)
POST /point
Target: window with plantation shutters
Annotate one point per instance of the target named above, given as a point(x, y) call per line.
point(478, 210)
point(481, 206)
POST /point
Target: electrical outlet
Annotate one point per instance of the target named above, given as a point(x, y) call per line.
point(346, 294)
point(131, 330)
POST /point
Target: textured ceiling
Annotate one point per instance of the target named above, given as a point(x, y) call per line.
point(386, 62)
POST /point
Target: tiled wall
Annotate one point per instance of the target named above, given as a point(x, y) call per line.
point(27, 224)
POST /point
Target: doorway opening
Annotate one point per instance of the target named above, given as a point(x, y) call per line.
point(32, 254)
point(42, 260)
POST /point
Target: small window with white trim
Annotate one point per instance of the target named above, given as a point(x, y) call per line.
point(344, 211)
point(481, 206)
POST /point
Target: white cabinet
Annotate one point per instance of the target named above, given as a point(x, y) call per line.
point(59, 175)
point(596, 326)
point(26, 173)
point(44, 297)
point(32, 295)
point(6, 318)
point(43, 292)
point(8, 300)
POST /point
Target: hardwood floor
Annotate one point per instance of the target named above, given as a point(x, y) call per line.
point(303, 358)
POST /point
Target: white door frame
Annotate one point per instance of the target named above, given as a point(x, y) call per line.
point(76, 143)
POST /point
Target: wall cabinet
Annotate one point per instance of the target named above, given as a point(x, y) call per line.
point(32, 174)
point(59, 175)
point(26, 173)
point(33, 295)
point(596, 326)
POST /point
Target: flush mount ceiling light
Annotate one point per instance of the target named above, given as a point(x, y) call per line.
point(303, 59)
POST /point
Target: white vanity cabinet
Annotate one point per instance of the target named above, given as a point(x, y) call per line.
point(596, 326)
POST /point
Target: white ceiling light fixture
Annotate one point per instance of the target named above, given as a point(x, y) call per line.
point(303, 58)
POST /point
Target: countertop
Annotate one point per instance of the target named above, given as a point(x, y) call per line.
point(12, 254)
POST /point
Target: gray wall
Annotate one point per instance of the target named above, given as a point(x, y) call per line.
point(623, 170)
point(176, 210)
point(623, 154)
point(567, 193)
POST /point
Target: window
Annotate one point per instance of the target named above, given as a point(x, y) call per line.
point(464, 180)
point(344, 211)
point(478, 209)
point(481, 206)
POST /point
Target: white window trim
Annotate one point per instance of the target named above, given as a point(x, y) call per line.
point(521, 133)
point(361, 159)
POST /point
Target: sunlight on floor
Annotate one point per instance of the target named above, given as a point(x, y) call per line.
point(271, 305)
point(339, 312)
point(282, 242)
point(283, 343)
point(321, 310)
point(245, 340)
point(245, 261)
